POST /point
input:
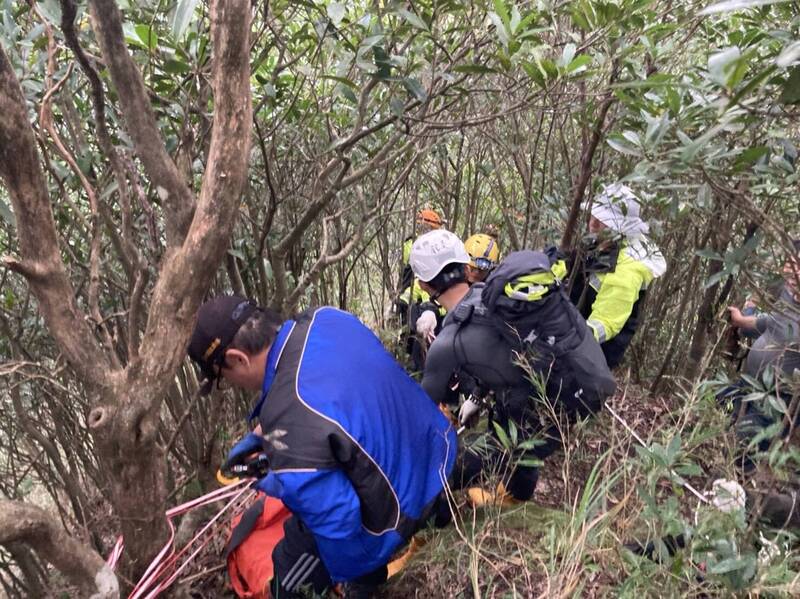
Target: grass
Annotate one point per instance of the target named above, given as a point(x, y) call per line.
point(602, 491)
point(598, 494)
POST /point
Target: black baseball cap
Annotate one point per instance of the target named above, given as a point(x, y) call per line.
point(218, 321)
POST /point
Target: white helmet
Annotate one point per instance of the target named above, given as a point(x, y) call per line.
point(433, 251)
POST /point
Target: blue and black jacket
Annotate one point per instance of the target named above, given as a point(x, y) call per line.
point(358, 452)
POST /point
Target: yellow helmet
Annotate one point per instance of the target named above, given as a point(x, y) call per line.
point(483, 251)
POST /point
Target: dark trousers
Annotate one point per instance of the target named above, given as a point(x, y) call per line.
point(517, 406)
point(513, 406)
point(299, 571)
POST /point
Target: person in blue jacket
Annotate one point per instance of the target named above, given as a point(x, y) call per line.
point(357, 451)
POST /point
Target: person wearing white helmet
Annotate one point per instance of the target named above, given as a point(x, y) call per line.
point(438, 259)
point(474, 349)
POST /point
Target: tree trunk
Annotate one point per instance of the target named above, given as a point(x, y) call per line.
point(585, 173)
point(704, 325)
point(20, 522)
point(127, 401)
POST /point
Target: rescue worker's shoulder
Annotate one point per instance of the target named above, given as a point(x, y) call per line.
point(629, 271)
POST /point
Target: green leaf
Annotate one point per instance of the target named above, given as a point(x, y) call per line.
point(516, 19)
point(534, 73)
point(412, 19)
point(176, 67)
point(415, 88)
point(500, 27)
point(715, 279)
point(753, 84)
point(342, 80)
point(371, 41)
point(512, 433)
point(739, 70)
point(777, 404)
point(621, 146)
point(710, 254)
point(691, 149)
point(477, 69)
point(182, 17)
point(529, 463)
point(674, 447)
point(656, 128)
point(578, 63)
point(791, 89)
point(347, 93)
point(501, 435)
point(336, 12)
point(632, 137)
point(397, 106)
point(789, 55)
point(722, 64)
point(727, 565)
point(51, 10)
point(148, 37)
point(580, 20)
point(690, 469)
point(383, 61)
point(567, 54)
point(751, 155)
point(502, 11)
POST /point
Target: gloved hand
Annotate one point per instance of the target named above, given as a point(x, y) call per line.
point(468, 409)
point(426, 324)
point(242, 450)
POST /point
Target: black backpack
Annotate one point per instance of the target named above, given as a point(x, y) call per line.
point(524, 301)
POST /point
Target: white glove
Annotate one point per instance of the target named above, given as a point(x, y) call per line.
point(468, 409)
point(426, 324)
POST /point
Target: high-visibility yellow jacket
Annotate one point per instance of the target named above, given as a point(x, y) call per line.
point(611, 300)
point(615, 295)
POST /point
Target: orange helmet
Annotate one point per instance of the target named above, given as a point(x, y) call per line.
point(429, 218)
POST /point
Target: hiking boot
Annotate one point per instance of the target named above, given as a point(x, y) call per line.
point(396, 566)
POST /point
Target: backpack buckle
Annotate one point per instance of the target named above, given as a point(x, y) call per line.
point(463, 313)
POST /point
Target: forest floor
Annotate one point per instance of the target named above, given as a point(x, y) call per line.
point(566, 541)
point(569, 540)
point(524, 551)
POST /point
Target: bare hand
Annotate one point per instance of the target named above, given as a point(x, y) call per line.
point(735, 315)
point(741, 321)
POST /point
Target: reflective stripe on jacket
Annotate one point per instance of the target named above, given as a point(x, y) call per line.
point(616, 294)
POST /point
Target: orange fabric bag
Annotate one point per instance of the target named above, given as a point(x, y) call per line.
point(254, 534)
